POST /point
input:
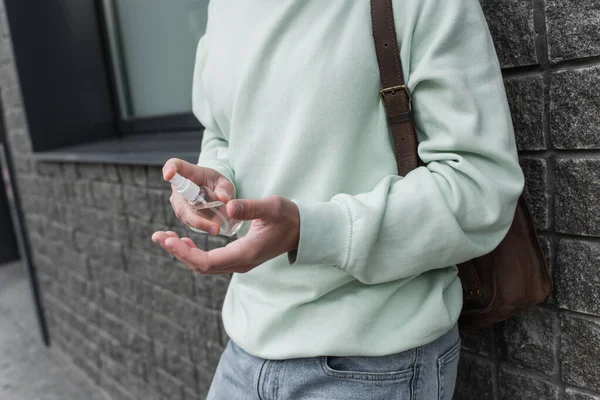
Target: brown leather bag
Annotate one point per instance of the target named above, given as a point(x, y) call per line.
point(498, 285)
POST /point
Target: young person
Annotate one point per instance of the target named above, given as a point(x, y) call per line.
point(345, 284)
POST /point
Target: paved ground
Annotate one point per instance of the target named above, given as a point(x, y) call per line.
point(29, 370)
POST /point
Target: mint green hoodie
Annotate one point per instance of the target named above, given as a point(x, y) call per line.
point(288, 92)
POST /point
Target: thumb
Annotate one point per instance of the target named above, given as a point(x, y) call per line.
point(251, 209)
point(224, 190)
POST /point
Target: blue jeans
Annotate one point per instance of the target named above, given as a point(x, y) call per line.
point(425, 373)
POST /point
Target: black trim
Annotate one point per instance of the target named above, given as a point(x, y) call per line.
point(140, 149)
point(62, 70)
point(166, 123)
point(18, 221)
point(111, 75)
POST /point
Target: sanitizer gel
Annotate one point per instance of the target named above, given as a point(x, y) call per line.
point(206, 203)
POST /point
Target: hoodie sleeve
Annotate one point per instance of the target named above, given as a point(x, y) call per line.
point(214, 153)
point(462, 203)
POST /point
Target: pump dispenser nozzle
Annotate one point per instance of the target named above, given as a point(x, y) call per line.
point(206, 203)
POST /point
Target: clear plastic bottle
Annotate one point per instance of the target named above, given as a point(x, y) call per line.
point(206, 203)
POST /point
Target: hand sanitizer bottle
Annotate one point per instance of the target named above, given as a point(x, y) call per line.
point(206, 203)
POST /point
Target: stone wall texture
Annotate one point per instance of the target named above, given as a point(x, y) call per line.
point(144, 327)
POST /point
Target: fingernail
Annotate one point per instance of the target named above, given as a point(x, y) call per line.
point(213, 230)
point(167, 168)
point(223, 193)
point(238, 209)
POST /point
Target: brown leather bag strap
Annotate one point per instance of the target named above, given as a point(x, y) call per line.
point(394, 94)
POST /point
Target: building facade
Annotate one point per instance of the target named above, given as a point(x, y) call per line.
point(143, 326)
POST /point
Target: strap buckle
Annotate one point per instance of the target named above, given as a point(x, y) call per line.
point(393, 90)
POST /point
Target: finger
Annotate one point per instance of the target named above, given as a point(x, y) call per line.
point(191, 218)
point(160, 237)
point(224, 189)
point(157, 236)
point(193, 257)
point(238, 253)
point(254, 209)
point(183, 168)
point(189, 242)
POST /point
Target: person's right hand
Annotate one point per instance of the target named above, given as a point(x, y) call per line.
point(202, 177)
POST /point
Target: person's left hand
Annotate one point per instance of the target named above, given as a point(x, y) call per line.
point(274, 231)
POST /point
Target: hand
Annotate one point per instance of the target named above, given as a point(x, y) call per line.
point(202, 177)
point(274, 231)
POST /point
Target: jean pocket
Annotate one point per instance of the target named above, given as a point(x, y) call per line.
point(447, 371)
point(395, 367)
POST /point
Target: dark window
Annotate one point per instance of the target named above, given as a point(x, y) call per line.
point(109, 72)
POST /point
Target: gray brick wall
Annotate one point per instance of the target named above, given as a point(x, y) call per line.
point(145, 327)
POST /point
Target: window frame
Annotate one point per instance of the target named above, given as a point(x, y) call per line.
point(61, 50)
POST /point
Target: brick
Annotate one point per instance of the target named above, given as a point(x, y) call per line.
point(108, 196)
point(199, 322)
point(514, 384)
point(114, 389)
point(572, 27)
point(536, 190)
point(169, 386)
point(168, 334)
point(111, 173)
point(192, 395)
point(205, 377)
point(475, 379)
point(162, 271)
point(137, 203)
point(91, 171)
point(574, 394)
point(574, 116)
point(109, 277)
point(530, 340)
point(48, 169)
point(210, 290)
point(176, 365)
point(577, 283)
point(205, 353)
point(133, 175)
point(526, 101)
point(36, 223)
point(580, 351)
point(80, 306)
point(135, 342)
point(136, 386)
point(511, 26)
point(138, 316)
point(158, 206)
point(155, 179)
point(75, 261)
point(577, 194)
point(77, 343)
point(60, 232)
point(137, 365)
point(80, 192)
point(101, 223)
point(70, 171)
point(480, 342)
point(108, 252)
point(52, 249)
point(140, 238)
